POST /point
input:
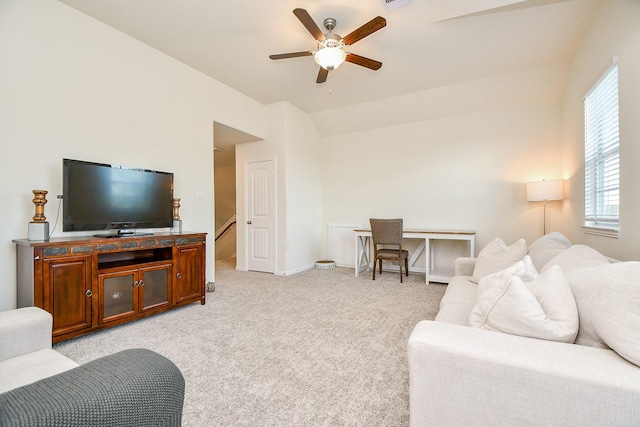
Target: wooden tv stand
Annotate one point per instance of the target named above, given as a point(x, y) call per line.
point(91, 283)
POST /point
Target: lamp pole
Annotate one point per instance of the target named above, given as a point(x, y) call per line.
point(543, 191)
point(544, 217)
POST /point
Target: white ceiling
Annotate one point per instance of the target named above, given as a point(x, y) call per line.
point(426, 44)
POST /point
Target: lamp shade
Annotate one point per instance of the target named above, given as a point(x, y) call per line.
point(538, 191)
point(330, 58)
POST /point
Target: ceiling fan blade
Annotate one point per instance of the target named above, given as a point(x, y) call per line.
point(322, 75)
point(290, 55)
point(370, 27)
point(361, 60)
point(309, 23)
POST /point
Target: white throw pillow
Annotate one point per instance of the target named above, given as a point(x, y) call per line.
point(608, 299)
point(577, 257)
point(523, 269)
point(542, 308)
point(496, 256)
point(547, 247)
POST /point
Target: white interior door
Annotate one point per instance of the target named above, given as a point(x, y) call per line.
point(261, 215)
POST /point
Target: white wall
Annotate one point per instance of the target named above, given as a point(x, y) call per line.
point(466, 170)
point(530, 86)
point(615, 32)
point(225, 191)
point(293, 141)
point(272, 147)
point(304, 191)
point(225, 208)
point(73, 87)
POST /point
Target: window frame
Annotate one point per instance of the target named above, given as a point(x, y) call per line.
point(602, 156)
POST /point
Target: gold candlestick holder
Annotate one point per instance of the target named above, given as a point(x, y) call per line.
point(177, 222)
point(176, 209)
point(39, 199)
point(39, 227)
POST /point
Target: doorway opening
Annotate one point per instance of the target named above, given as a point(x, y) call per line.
point(225, 139)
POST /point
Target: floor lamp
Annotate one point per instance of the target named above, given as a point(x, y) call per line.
point(542, 191)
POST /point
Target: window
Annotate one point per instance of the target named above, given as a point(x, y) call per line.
point(602, 156)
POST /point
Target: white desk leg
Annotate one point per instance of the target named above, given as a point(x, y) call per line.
point(472, 249)
point(432, 254)
point(416, 254)
point(365, 241)
point(362, 254)
point(422, 248)
point(427, 250)
point(356, 263)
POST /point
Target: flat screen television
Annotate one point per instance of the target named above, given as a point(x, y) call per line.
point(100, 196)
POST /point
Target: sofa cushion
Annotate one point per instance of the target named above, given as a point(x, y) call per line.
point(457, 302)
point(32, 367)
point(608, 299)
point(575, 258)
point(461, 294)
point(463, 266)
point(546, 248)
point(543, 307)
point(496, 256)
point(23, 331)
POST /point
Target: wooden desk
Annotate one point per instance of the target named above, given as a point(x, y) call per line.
point(363, 249)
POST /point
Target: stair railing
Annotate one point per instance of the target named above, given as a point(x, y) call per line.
point(225, 227)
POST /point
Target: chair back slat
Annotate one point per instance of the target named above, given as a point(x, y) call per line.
point(386, 231)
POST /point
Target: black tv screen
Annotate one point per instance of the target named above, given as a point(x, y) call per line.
point(104, 197)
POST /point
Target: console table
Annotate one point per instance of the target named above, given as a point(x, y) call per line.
point(427, 238)
point(91, 283)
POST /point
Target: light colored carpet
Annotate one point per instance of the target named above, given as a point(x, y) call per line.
point(319, 348)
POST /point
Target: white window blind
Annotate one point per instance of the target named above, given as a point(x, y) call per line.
point(602, 152)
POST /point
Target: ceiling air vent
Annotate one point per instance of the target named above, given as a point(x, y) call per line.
point(394, 4)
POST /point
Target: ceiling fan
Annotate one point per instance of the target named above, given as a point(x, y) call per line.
point(331, 53)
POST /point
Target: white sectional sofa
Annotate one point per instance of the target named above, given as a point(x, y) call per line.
point(499, 372)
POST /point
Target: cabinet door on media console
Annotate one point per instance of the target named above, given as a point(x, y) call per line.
point(155, 287)
point(189, 273)
point(67, 293)
point(131, 291)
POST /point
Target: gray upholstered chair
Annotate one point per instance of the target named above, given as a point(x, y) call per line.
point(388, 232)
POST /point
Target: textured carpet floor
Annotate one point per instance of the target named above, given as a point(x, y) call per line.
point(319, 348)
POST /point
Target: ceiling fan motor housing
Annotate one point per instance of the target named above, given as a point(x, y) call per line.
point(331, 40)
point(330, 24)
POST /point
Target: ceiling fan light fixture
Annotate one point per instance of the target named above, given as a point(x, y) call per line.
point(330, 58)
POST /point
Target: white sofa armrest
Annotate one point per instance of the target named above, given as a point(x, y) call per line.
point(23, 331)
point(463, 266)
point(466, 376)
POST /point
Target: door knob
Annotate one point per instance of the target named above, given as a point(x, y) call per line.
point(249, 222)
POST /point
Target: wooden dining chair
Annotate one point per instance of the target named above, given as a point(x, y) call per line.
point(388, 233)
